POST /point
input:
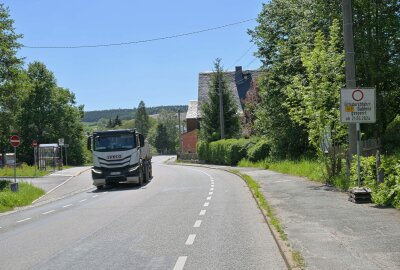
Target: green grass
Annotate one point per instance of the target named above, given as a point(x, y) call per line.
point(25, 196)
point(23, 170)
point(311, 169)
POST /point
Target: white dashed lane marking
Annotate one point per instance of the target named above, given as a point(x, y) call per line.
point(197, 224)
point(94, 196)
point(83, 200)
point(208, 198)
point(48, 212)
point(210, 193)
point(211, 189)
point(180, 263)
point(68, 205)
point(190, 239)
point(23, 220)
point(206, 204)
point(202, 212)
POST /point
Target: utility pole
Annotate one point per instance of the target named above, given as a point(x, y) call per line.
point(350, 66)
point(221, 106)
point(179, 125)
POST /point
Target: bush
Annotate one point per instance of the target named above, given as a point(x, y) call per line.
point(259, 151)
point(383, 194)
point(224, 152)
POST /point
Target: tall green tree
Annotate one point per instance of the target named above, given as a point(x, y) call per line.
point(50, 112)
point(142, 119)
point(162, 140)
point(11, 77)
point(210, 123)
point(169, 120)
point(314, 97)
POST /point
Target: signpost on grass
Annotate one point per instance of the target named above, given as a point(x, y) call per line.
point(358, 106)
point(34, 145)
point(15, 141)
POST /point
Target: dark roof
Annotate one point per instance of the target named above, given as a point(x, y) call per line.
point(239, 83)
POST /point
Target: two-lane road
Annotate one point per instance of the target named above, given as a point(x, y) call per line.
point(185, 218)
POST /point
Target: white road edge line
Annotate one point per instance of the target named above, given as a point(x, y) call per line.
point(180, 263)
point(197, 224)
point(22, 220)
point(48, 212)
point(206, 204)
point(190, 239)
point(83, 200)
point(202, 212)
point(68, 205)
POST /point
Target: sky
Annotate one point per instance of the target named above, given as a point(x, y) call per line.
point(162, 72)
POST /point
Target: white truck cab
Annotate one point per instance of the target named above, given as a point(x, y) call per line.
point(119, 156)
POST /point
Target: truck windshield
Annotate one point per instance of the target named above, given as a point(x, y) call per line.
point(113, 143)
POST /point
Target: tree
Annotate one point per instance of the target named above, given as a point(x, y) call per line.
point(162, 140)
point(169, 120)
point(142, 119)
point(117, 122)
point(251, 102)
point(11, 77)
point(110, 124)
point(50, 112)
point(210, 122)
point(314, 97)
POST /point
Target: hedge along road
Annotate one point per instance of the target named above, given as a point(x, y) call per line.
point(185, 218)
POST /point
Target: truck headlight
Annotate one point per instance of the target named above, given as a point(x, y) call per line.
point(96, 171)
point(134, 168)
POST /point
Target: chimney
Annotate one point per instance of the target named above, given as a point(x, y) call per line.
point(238, 74)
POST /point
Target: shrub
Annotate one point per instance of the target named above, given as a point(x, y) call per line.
point(259, 151)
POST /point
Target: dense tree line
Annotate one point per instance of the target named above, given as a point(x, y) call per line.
point(301, 48)
point(127, 114)
point(32, 105)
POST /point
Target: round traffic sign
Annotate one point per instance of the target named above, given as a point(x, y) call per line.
point(15, 141)
point(34, 143)
point(357, 95)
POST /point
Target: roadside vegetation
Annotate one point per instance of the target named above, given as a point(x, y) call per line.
point(291, 121)
point(26, 194)
point(23, 170)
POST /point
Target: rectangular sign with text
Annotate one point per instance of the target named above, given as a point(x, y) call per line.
point(358, 105)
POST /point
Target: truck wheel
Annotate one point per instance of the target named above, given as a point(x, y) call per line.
point(99, 188)
point(141, 176)
point(146, 173)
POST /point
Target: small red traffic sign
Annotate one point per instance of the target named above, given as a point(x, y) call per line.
point(34, 143)
point(15, 141)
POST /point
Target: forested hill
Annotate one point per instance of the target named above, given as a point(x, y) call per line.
point(124, 114)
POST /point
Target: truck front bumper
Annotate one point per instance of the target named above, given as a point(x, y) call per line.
point(105, 176)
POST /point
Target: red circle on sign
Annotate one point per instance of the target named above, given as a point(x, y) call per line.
point(15, 141)
point(355, 94)
point(34, 143)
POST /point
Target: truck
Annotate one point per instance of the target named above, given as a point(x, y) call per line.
point(119, 156)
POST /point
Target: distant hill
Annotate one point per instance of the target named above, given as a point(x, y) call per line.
point(126, 114)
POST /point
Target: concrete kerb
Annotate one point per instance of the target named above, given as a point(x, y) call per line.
point(284, 250)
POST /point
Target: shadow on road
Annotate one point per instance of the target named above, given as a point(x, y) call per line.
point(121, 187)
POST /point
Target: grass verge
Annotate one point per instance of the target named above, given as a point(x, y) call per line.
point(23, 170)
point(311, 169)
point(296, 261)
point(26, 194)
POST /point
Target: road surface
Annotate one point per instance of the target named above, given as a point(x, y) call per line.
point(185, 218)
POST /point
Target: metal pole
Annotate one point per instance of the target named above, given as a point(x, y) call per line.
point(15, 164)
point(350, 66)
point(179, 136)
point(66, 156)
point(34, 157)
point(358, 153)
point(221, 106)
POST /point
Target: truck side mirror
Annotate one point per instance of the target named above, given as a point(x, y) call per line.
point(141, 140)
point(89, 143)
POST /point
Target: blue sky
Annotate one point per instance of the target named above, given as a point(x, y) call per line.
point(159, 73)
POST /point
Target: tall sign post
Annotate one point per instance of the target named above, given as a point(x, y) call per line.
point(358, 105)
point(15, 141)
point(34, 145)
point(61, 144)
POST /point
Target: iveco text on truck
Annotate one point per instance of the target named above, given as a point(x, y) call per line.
point(119, 156)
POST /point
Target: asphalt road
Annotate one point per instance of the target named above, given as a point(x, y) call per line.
point(185, 218)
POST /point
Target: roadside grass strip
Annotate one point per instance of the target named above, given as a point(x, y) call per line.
point(23, 170)
point(26, 194)
point(296, 260)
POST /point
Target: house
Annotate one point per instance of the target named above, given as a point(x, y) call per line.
point(239, 82)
